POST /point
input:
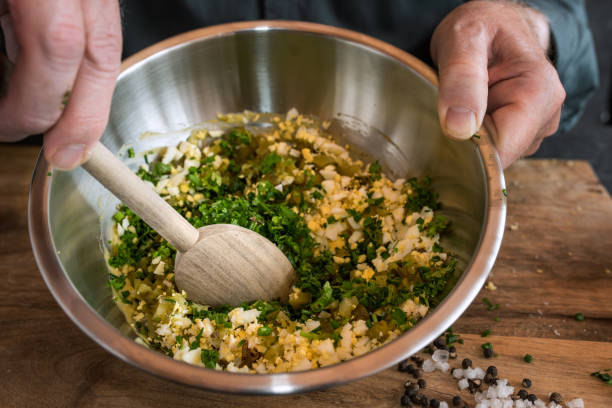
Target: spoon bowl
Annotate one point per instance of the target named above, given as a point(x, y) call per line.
point(219, 264)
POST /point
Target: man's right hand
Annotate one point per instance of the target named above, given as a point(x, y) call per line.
point(67, 55)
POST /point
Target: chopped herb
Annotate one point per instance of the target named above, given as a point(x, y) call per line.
point(269, 162)
point(579, 317)
point(179, 341)
point(528, 358)
point(398, 316)
point(485, 333)
point(486, 346)
point(264, 331)
point(375, 170)
point(490, 305)
point(130, 153)
point(209, 358)
point(476, 136)
point(504, 192)
point(169, 300)
point(497, 319)
point(355, 214)
point(605, 377)
point(117, 282)
point(196, 343)
point(49, 174)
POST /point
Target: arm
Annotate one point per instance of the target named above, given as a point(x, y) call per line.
point(573, 54)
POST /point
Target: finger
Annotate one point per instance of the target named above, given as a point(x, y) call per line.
point(86, 115)
point(461, 53)
point(51, 43)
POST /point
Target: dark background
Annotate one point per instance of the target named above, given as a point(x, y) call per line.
point(591, 138)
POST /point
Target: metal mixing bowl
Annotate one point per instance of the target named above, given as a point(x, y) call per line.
point(381, 100)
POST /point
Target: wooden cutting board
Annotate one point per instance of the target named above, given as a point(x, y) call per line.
point(556, 261)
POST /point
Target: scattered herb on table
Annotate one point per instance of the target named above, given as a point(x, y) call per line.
point(528, 358)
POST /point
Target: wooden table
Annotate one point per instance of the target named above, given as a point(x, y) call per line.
point(555, 261)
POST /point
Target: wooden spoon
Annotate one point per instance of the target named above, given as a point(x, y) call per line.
point(215, 265)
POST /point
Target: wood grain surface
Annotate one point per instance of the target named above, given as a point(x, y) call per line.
point(555, 261)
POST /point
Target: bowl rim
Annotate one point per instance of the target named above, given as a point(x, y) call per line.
point(449, 310)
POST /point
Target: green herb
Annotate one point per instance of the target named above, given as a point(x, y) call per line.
point(486, 346)
point(130, 153)
point(605, 377)
point(476, 136)
point(264, 331)
point(209, 358)
point(196, 343)
point(308, 335)
point(398, 316)
point(65, 99)
point(325, 299)
point(117, 282)
point(355, 214)
point(497, 319)
point(579, 317)
point(375, 171)
point(421, 195)
point(504, 192)
point(485, 333)
point(528, 358)
point(490, 305)
point(179, 341)
point(437, 225)
point(169, 300)
point(331, 219)
point(119, 216)
point(269, 162)
point(49, 174)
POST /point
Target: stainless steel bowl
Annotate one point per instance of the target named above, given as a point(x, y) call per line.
point(382, 100)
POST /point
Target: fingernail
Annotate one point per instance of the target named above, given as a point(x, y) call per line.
point(460, 122)
point(69, 156)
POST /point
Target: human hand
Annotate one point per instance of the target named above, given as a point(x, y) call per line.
point(60, 48)
point(491, 58)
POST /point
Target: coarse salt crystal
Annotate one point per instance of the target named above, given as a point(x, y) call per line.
point(479, 373)
point(442, 366)
point(463, 384)
point(575, 403)
point(458, 373)
point(440, 356)
point(429, 366)
point(443, 404)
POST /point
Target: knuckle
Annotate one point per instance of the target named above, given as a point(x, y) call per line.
point(104, 50)
point(64, 41)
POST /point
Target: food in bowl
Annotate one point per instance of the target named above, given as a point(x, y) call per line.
point(365, 248)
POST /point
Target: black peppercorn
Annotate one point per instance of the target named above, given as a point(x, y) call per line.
point(422, 383)
point(556, 398)
point(452, 352)
point(411, 389)
point(457, 401)
point(403, 366)
point(424, 401)
point(488, 352)
point(439, 343)
point(492, 370)
point(466, 363)
point(405, 401)
point(416, 373)
point(526, 383)
point(433, 403)
point(417, 360)
point(532, 397)
point(523, 394)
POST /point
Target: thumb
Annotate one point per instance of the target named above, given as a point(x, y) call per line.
point(461, 53)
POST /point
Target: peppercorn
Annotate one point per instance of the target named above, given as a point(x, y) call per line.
point(526, 383)
point(405, 401)
point(424, 400)
point(411, 389)
point(439, 342)
point(532, 397)
point(452, 352)
point(433, 403)
point(523, 394)
point(489, 379)
point(417, 360)
point(457, 401)
point(556, 398)
point(466, 363)
point(474, 385)
point(416, 373)
point(403, 366)
point(422, 383)
point(416, 399)
point(492, 370)
point(488, 352)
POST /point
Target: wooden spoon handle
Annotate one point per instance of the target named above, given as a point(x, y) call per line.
point(140, 198)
